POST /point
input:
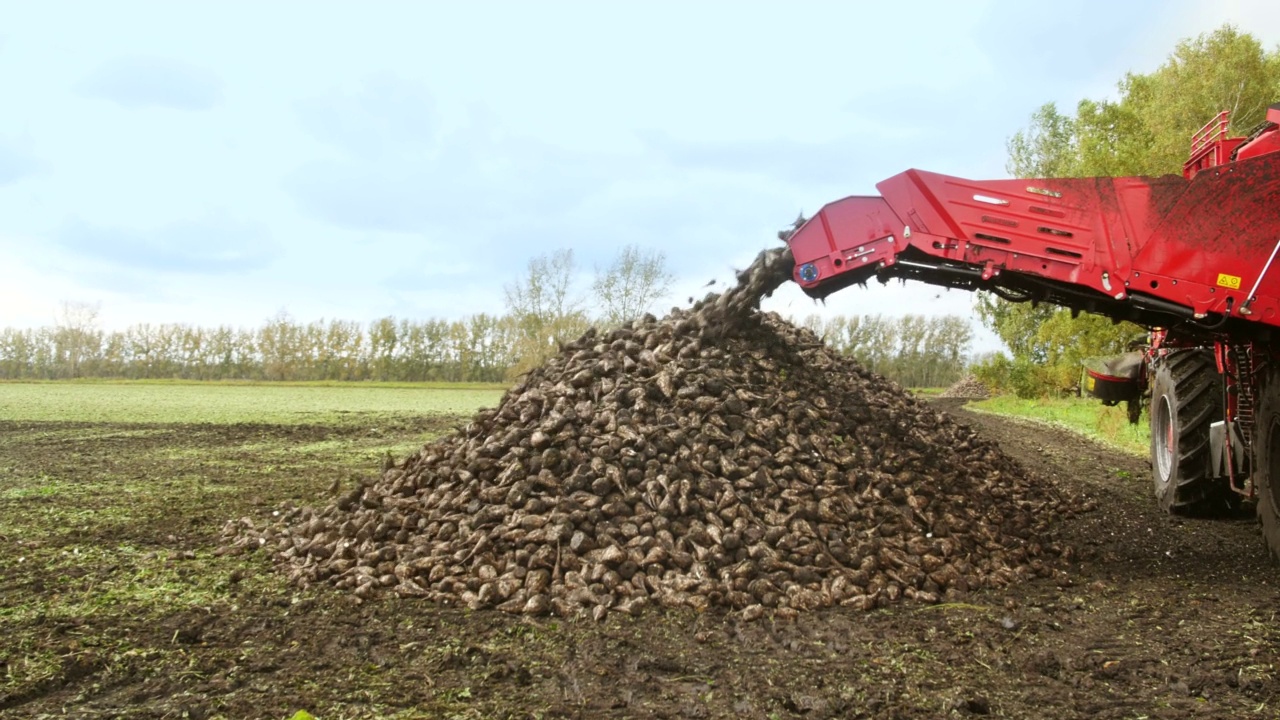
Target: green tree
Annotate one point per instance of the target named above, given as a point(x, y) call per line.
point(1047, 148)
point(1016, 324)
point(912, 350)
point(1148, 130)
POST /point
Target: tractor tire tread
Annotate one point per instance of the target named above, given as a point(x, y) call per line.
point(1196, 388)
point(1268, 423)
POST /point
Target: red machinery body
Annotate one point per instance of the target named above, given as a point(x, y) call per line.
point(1190, 252)
point(1191, 257)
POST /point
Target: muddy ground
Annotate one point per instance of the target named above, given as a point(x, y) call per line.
point(113, 604)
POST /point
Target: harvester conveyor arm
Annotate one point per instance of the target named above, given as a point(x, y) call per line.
point(1154, 251)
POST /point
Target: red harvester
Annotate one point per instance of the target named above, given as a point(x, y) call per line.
point(1191, 257)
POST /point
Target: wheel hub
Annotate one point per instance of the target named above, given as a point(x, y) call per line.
point(1165, 439)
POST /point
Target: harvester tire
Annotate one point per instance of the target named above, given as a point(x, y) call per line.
point(1186, 397)
point(1266, 461)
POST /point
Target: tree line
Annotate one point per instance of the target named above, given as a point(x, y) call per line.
point(544, 307)
point(913, 350)
point(474, 349)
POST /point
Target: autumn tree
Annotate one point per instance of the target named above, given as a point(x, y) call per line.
point(280, 341)
point(544, 294)
point(632, 283)
point(77, 336)
point(545, 308)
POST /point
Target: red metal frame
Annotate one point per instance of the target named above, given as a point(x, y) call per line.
point(1210, 146)
point(1229, 369)
point(1186, 247)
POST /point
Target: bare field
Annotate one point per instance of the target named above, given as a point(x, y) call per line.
point(114, 602)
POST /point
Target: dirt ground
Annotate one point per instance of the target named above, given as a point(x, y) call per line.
point(113, 604)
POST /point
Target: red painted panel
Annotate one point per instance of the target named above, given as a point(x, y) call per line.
point(1194, 243)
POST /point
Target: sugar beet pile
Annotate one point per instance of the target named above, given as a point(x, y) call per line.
point(716, 457)
point(967, 387)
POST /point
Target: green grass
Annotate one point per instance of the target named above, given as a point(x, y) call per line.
point(1109, 425)
point(140, 579)
point(227, 403)
point(170, 382)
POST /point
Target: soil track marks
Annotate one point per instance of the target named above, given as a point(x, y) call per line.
point(112, 603)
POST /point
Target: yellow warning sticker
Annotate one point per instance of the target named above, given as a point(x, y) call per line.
point(1229, 281)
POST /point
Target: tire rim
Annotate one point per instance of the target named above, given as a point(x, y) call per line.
point(1165, 441)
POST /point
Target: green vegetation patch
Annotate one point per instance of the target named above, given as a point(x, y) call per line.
point(109, 565)
point(1109, 425)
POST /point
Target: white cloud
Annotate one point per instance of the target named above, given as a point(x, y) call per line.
point(214, 244)
point(29, 295)
point(16, 162)
point(140, 82)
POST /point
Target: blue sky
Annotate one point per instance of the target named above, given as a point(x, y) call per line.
point(218, 162)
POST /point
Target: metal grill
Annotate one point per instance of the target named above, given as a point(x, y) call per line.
point(1246, 387)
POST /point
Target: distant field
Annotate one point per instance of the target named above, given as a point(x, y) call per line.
point(225, 403)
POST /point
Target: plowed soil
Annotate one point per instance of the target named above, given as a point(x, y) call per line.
point(1161, 617)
